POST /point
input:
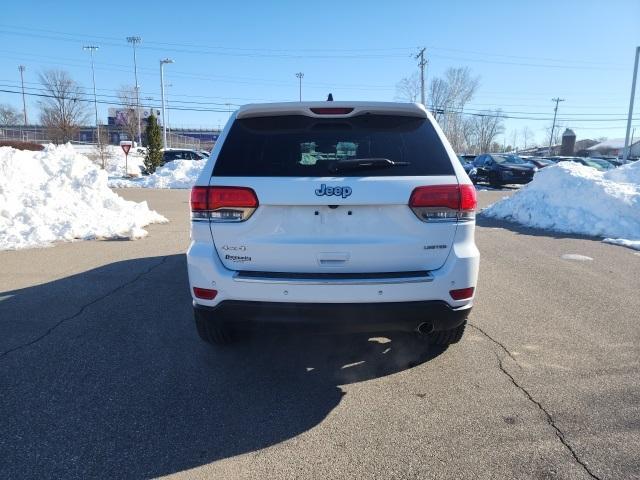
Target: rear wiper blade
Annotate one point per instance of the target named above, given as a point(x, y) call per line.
point(364, 164)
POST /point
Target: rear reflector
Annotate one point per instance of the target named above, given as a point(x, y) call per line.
point(332, 110)
point(205, 293)
point(444, 202)
point(462, 293)
point(223, 204)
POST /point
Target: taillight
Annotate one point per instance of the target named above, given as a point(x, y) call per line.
point(442, 203)
point(223, 204)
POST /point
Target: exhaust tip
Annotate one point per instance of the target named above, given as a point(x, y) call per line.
point(425, 328)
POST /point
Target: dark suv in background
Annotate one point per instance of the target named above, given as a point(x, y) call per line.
point(172, 154)
point(499, 169)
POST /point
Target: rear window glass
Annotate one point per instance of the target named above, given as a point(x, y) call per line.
point(300, 146)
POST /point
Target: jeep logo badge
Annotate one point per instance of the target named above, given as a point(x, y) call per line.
point(343, 192)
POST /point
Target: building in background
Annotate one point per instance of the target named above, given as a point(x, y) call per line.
point(615, 148)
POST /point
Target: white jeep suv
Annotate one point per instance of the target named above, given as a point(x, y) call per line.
point(339, 215)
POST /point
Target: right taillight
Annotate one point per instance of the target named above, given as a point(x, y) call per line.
point(444, 203)
point(222, 204)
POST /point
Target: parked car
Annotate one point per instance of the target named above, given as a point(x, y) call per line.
point(171, 154)
point(468, 167)
point(605, 164)
point(539, 162)
point(615, 161)
point(588, 162)
point(329, 214)
point(467, 157)
point(499, 169)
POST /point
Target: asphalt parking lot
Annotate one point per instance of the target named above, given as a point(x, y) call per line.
point(102, 373)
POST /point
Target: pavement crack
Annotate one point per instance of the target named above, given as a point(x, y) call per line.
point(83, 308)
point(496, 342)
point(549, 419)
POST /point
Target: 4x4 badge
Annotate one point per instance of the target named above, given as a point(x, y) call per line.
point(343, 192)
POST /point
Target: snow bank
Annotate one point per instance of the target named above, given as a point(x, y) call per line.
point(629, 173)
point(573, 198)
point(60, 195)
point(176, 174)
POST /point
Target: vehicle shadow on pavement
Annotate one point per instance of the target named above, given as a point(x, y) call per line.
point(488, 222)
point(102, 375)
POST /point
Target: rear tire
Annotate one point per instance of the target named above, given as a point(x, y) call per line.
point(212, 331)
point(445, 338)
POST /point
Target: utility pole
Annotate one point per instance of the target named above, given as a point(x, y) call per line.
point(625, 155)
point(21, 69)
point(164, 112)
point(422, 64)
point(300, 76)
point(555, 114)
point(91, 49)
point(136, 41)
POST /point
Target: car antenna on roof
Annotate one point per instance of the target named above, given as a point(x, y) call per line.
point(330, 97)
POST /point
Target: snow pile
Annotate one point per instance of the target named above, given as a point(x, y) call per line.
point(629, 173)
point(573, 198)
point(58, 194)
point(176, 174)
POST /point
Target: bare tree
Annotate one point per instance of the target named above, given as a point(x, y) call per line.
point(102, 149)
point(63, 110)
point(557, 134)
point(8, 115)
point(408, 89)
point(527, 136)
point(448, 97)
point(483, 130)
point(128, 118)
point(514, 140)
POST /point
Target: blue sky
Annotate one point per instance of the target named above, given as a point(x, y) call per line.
point(239, 52)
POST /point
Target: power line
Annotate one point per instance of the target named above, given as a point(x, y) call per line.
point(20, 30)
point(219, 110)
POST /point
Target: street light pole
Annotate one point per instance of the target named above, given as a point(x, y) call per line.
point(553, 126)
point(625, 155)
point(168, 85)
point(21, 69)
point(92, 49)
point(136, 41)
point(300, 76)
point(164, 113)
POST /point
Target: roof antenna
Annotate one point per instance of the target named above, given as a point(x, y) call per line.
point(330, 97)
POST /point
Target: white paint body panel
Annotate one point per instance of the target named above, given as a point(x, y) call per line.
point(286, 235)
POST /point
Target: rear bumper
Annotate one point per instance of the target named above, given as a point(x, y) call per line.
point(206, 270)
point(338, 317)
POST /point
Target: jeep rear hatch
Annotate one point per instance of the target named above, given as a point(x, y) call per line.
point(333, 194)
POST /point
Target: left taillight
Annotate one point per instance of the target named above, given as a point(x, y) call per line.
point(438, 203)
point(222, 204)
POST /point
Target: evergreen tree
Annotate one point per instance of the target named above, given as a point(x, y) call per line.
point(153, 157)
